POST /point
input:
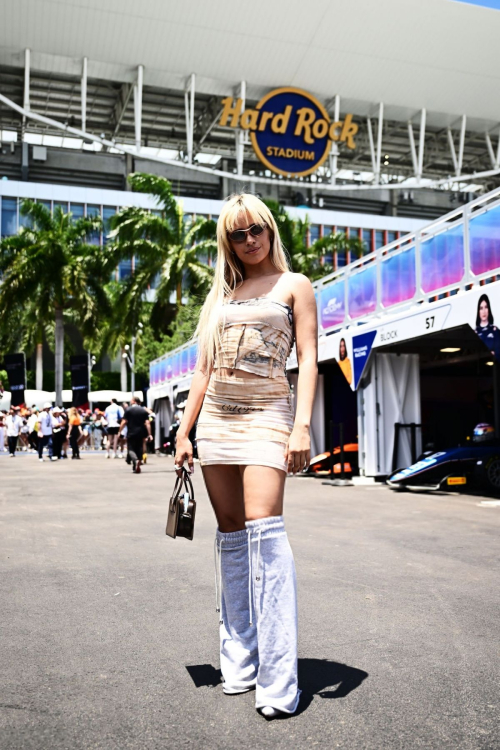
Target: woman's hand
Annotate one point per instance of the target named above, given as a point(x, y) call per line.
point(183, 452)
point(298, 450)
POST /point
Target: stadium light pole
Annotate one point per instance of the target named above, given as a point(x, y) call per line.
point(131, 358)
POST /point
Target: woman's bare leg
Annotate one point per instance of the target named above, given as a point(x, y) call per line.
point(225, 490)
point(263, 489)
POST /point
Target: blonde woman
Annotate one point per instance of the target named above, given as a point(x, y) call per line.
point(248, 441)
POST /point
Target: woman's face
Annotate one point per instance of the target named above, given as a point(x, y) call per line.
point(252, 250)
point(342, 351)
point(484, 311)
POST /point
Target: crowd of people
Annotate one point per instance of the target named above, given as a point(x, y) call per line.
point(120, 431)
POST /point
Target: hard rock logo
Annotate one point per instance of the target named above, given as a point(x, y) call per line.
point(290, 129)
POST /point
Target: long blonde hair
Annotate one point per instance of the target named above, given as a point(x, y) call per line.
point(230, 271)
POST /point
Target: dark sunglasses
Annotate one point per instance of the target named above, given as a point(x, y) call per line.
point(240, 235)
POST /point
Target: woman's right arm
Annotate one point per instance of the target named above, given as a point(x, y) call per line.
point(184, 448)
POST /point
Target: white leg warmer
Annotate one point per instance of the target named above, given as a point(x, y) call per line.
point(273, 606)
point(238, 636)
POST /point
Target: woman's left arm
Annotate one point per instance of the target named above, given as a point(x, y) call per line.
point(298, 451)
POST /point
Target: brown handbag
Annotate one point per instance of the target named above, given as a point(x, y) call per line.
point(181, 508)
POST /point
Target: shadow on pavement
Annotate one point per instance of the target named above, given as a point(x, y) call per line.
point(315, 676)
point(205, 675)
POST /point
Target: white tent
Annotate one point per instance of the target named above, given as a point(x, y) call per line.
point(106, 396)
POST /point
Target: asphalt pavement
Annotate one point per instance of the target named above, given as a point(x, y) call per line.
point(109, 636)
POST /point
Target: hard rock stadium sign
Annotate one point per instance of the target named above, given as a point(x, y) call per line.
point(290, 130)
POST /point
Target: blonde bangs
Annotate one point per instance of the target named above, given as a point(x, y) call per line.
point(243, 205)
point(229, 271)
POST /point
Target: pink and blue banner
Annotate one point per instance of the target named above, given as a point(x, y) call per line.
point(362, 292)
point(398, 278)
point(442, 259)
point(192, 356)
point(331, 305)
point(484, 241)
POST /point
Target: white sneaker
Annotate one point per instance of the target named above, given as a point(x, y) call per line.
point(54, 458)
point(116, 455)
point(270, 713)
point(41, 459)
point(108, 456)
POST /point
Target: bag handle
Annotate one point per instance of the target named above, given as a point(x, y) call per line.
point(183, 479)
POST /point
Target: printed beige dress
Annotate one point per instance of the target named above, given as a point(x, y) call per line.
point(249, 420)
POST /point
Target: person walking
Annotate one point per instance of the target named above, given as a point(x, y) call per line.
point(2, 432)
point(113, 415)
point(98, 427)
point(58, 432)
point(46, 425)
point(64, 421)
point(75, 431)
point(13, 423)
point(33, 428)
point(136, 420)
point(248, 440)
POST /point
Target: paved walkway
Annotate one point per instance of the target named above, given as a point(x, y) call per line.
point(109, 634)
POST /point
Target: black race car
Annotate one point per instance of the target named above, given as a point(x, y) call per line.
point(475, 467)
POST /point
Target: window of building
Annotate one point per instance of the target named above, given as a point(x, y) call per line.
point(155, 281)
point(367, 239)
point(107, 213)
point(94, 237)
point(9, 217)
point(314, 232)
point(124, 269)
point(77, 210)
point(63, 206)
point(391, 236)
point(379, 239)
point(341, 255)
point(24, 221)
point(46, 204)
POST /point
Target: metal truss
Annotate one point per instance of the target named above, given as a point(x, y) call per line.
point(126, 117)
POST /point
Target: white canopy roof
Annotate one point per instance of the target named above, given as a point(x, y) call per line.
point(439, 54)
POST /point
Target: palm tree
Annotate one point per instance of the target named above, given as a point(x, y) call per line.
point(170, 251)
point(335, 243)
point(293, 233)
point(117, 330)
point(50, 266)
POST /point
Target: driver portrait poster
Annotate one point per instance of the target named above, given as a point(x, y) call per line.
point(485, 326)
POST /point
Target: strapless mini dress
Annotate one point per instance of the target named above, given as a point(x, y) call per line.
point(248, 421)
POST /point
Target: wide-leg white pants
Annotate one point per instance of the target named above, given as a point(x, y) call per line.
point(255, 575)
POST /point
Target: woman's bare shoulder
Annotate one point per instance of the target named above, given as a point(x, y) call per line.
point(299, 285)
